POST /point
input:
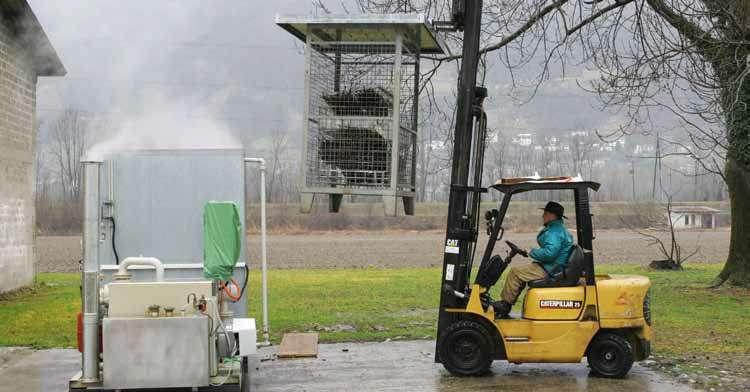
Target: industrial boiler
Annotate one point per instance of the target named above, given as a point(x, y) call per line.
point(165, 272)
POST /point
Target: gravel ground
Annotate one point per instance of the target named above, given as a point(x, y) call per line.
point(728, 372)
point(58, 253)
point(402, 249)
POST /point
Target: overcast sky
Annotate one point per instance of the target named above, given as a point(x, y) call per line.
point(199, 67)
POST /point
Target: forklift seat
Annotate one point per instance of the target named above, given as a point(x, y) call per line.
point(569, 277)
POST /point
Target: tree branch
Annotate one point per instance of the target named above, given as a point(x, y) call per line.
point(539, 15)
point(596, 15)
point(685, 27)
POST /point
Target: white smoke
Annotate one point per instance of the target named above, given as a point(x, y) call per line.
point(165, 125)
point(148, 75)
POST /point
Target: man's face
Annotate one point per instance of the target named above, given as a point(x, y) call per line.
point(548, 216)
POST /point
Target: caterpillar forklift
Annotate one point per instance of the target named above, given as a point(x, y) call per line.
point(565, 317)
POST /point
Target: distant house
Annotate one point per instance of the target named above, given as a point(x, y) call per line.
point(25, 54)
point(524, 139)
point(693, 217)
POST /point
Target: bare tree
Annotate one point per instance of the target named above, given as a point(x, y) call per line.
point(41, 174)
point(67, 144)
point(277, 179)
point(495, 163)
point(425, 163)
point(656, 226)
point(581, 148)
point(434, 146)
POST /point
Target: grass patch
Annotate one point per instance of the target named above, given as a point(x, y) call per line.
point(43, 316)
point(379, 303)
point(399, 303)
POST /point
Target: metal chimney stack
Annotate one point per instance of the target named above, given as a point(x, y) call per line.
point(90, 278)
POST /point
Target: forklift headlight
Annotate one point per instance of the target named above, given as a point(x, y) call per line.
point(647, 307)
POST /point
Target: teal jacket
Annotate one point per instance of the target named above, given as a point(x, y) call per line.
point(555, 244)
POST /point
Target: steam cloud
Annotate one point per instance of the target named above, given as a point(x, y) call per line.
point(166, 126)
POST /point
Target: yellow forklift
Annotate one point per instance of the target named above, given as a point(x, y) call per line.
point(565, 317)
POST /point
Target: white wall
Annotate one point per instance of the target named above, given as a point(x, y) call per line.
point(695, 220)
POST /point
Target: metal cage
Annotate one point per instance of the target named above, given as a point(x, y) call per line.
point(361, 106)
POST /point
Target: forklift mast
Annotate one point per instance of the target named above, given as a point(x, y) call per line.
point(467, 161)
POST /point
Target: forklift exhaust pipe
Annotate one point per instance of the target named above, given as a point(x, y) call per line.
point(90, 278)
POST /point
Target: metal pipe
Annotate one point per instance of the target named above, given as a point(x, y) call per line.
point(122, 270)
point(110, 181)
point(263, 257)
point(395, 126)
point(90, 279)
point(213, 367)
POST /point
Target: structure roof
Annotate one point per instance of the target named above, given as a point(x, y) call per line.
point(537, 179)
point(365, 28)
point(537, 182)
point(694, 210)
point(24, 26)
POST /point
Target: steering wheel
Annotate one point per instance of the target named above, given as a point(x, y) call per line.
point(515, 249)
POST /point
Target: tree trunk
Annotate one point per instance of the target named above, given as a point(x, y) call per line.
point(737, 173)
point(737, 269)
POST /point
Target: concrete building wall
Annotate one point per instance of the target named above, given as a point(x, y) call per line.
point(17, 145)
point(682, 220)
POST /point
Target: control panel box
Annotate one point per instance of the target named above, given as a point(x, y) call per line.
point(247, 334)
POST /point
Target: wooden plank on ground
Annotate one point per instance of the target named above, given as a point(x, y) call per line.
point(298, 345)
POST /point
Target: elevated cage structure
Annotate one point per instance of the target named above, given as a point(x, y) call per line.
point(361, 105)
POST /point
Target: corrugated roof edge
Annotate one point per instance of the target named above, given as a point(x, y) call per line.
point(24, 24)
point(287, 21)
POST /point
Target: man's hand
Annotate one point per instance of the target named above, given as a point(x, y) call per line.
point(514, 249)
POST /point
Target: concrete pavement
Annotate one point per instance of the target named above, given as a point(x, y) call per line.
point(388, 366)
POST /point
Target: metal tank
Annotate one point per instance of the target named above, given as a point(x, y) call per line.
point(144, 294)
point(152, 205)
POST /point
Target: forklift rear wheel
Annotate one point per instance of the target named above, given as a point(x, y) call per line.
point(465, 349)
point(610, 355)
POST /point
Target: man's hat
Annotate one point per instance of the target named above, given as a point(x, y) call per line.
point(555, 208)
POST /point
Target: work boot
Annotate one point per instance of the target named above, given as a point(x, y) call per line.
point(502, 309)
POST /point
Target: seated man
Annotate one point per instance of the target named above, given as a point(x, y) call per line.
point(550, 258)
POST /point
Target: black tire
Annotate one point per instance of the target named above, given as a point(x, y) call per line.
point(466, 349)
point(610, 355)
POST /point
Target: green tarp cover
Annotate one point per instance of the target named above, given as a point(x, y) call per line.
point(222, 236)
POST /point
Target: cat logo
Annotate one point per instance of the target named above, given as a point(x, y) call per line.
point(559, 304)
point(451, 246)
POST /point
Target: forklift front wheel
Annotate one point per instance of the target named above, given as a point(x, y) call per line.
point(610, 355)
point(465, 349)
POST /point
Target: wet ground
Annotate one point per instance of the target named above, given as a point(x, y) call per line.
point(402, 249)
point(389, 366)
point(26, 370)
